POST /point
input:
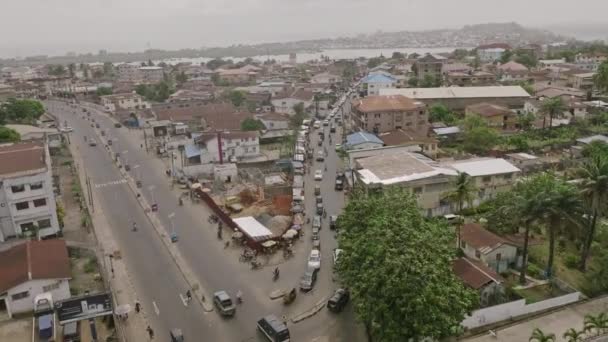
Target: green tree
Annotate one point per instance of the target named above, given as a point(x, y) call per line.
point(181, 78)
point(526, 59)
point(56, 70)
point(553, 107)
point(8, 135)
point(108, 69)
point(397, 55)
point(527, 87)
point(251, 124)
point(463, 192)
point(412, 82)
point(150, 63)
point(236, 97)
point(20, 111)
point(539, 336)
point(480, 140)
point(460, 54)
point(440, 113)
point(430, 81)
point(519, 142)
point(216, 63)
point(101, 91)
point(600, 79)
point(594, 189)
point(506, 56)
point(397, 266)
point(573, 335)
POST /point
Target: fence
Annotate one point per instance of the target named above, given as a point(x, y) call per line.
point(514, 309)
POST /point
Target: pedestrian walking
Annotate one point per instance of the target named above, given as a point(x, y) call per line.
point(137, 307)
point(150, 332)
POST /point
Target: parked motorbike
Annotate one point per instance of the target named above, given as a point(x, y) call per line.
point(255, 264)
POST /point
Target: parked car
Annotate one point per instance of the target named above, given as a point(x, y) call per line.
point(274, 329)
point(315, 234)
point(317, 190)
point(92, 142)
point(314, 259)
point(316, 221)
point(71, 332)
point(117, 125)
point(318, 175)
point(319, 208)
point(332, 221)
point(339, 185)
point(224, 303)
point(325, 122)
point(337, 252)
point(338, 301)
point(316, 244)
point(308, 280)
point(318, 199)
point(332, 128)
point(338, 147)
point(320, 156)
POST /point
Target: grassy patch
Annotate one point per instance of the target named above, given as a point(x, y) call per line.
point(91, 265)
point(540, 293)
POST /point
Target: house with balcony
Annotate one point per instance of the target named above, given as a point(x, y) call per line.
point(27, 200)
point(127, 101)
point(381, 114)
point(29, 269)
point(376, 81)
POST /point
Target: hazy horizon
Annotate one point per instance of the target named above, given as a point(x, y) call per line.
point(63, 26)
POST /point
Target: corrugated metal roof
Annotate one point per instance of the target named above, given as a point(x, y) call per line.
point(362, 137)
point(457, 92)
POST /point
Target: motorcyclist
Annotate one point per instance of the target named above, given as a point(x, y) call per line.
point(276, 273)
point(239, 296)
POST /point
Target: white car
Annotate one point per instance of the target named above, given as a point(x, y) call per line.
point(325, 122)
point(67, 129)
point(337, 252)
point(316, 125)
point(314, 260)
point(318, 175)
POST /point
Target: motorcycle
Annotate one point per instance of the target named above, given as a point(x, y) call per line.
point(255, 265)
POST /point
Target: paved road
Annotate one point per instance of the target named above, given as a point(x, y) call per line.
point(198, 244)
point(157, 279)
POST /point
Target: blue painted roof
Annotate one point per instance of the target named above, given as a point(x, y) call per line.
point(192, 151)
point(362, 137)
point(378, 78)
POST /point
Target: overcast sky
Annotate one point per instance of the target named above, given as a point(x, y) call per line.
point(57, 26)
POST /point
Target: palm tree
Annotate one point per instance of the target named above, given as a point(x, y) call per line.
point(558, 202)
point(553, 107)
point(594, 189)
point(539, 336)
point(598, 323)
point(573, 335)
point(463, 192)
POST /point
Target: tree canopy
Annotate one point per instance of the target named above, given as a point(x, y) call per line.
point(398, 267)
point(236, 97)
point(20, 111)
point(600, 79)
point(101, 91)
point(250, 124)
point(155, 92)
point(8, 135)
point(440, 113)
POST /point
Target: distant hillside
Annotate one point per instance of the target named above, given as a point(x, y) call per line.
point(468, 36)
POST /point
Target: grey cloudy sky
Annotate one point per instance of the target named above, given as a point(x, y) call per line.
point(57, 26)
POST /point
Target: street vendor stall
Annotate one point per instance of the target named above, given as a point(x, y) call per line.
point(253, 229)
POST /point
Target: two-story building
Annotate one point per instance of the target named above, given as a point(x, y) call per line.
point(376, 81)
point(381, 114)
point(285, 101)
point(29, 269)
point(582, 81)
point(590, 61)
point(151, 74)
point(490, 175)
point(128, 72)
point(478, 243)
point(27, 201)
point(512, 72)
point(229, 146)
point(429, 65)
point(491, 52)
point(495, 116)
point(472, 78)
point(127, 101)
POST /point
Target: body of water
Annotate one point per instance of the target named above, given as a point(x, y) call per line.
point(331, 53)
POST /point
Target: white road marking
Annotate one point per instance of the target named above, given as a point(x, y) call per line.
point(156, 310)
point(184, 299)
point(102, 185)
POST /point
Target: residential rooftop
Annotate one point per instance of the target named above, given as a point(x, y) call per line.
point(483, 166)
point(457, 92)
point(22, 158)
point(476, 236)
point(475, 274)
point(390, 103)
point(399, 167)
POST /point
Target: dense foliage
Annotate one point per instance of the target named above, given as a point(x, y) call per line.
point(8, 135)
point(156, 92)
point(397, 265)
point(250, 124)
point(20, 111)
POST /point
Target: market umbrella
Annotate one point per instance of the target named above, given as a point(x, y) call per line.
point(269, 244)
point(196, 185)
point(122, 309)
point(290, 234)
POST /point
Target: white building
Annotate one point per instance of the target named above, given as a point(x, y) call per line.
point(547, 63)
point(229, 146)
point(27, 201)
point(286, 100)
point(151, 74)
point(32, 268)
point(127, 101)
point(18, 73)
point(326, 78)
point(490, 54)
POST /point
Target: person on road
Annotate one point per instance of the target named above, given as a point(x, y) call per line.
point(239, 296)
point(189, 295)
point(137, 307)
point(134, 226)
point(276, 272)
point(150, 332)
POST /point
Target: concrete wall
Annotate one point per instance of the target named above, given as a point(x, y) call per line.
point(34, 288)
point(513, 309)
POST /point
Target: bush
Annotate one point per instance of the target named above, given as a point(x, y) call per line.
point(90, 266)
point(534, 271)
point(571, 261)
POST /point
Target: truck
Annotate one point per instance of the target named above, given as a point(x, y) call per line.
point(44, 318)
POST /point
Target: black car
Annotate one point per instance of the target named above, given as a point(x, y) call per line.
point(340, 175)
point(332, 221)
point(316, 222)
point(320, 208)
point(274, 329)
point(308, 279)
point(338, 301)
point(339, 184)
